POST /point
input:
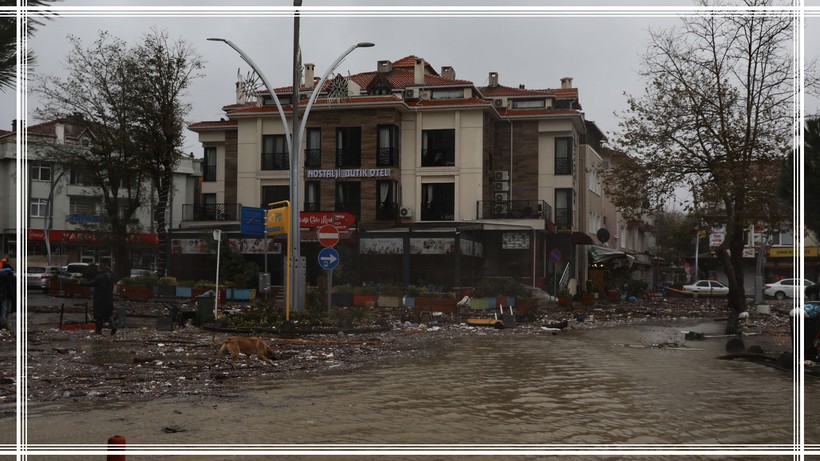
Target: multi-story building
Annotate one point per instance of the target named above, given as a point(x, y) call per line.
point(63, 207)
point(448, 182)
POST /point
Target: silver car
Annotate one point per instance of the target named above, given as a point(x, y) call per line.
point(706, 288)
point(37, 276)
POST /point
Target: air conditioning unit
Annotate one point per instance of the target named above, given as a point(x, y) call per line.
point(411, 93)
point(500, 196)
point(499, 103)
point(424, 95)
point(406, 212)
point(501, 186)
point(501, 175)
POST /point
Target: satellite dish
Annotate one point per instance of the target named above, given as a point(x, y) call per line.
point(603, 235)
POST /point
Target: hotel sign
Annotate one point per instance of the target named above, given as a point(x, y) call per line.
point(349, 173)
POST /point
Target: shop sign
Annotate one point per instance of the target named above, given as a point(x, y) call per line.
point(349, 173)
point(88, 237)
point(339, 219)
point(788, 252)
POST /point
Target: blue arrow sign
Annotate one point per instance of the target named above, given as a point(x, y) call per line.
point(328, 258)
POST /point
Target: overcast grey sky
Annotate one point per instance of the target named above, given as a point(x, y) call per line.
point(601, 54)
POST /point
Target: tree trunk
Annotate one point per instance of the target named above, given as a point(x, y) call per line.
point(732, 261)
point(162, 226)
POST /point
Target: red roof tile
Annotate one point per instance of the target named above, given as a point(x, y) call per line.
point(214, 124)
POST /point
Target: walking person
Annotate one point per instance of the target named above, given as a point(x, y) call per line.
point(8, 295)
point(103, 299)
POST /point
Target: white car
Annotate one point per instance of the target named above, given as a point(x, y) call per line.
point(787, 288)
point(37, 277)
point(706, 288)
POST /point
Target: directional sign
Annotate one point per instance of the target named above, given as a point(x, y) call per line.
point(328, 258)
point(328, 235)
point(277, 221)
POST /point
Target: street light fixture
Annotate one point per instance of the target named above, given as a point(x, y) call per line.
point(218, 238)
point(295, 290)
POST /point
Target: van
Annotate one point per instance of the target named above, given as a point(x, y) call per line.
point(77, 269)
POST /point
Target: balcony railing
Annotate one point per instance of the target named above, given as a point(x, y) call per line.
point(85, 218)
point(348, 158)
point(513, 209)
point(275, 161)
point(441, 211)
point(438, 157)
point(210, 212)
point(209, 173)
point(313, 158)
point(387, 156)
point(387, 211)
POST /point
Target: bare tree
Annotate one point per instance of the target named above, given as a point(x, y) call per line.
point(99, 94)
point(166, 71)
point(716, 116)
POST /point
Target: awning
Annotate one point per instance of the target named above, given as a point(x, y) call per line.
point(580, 238)
point(601, 254)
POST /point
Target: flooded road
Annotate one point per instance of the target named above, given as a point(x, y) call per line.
point(577, 387)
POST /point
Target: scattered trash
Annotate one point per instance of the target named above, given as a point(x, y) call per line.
point(693, 335)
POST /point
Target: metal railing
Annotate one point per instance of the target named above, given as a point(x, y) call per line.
point(313, 158)
point(387, 211)
point(438, 157)
point(348, 158)
point(275, 161)
point(210, 212)
point(387, 156)
point(209, 173)
point(513, 209)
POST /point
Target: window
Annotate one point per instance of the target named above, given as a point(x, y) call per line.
point(272, 194)
point(563, 155)
point(388, 146)
point(209, 165)
point(386, 203)
point(83, 209)
point(313, 148)
point(438, 202)
point(312, 191)
point(41, 172)
point(348, 147)
point(349, 197)
point(594, 181)
point(529, 103)
point(275, 152)
point(452, 93)
point(438, 147)
point(38, 208)
point(563, 207)
point(80, 177)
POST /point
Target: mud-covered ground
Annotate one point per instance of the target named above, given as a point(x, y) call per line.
point(141, 362)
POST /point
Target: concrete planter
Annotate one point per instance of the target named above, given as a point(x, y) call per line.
point(436, 304)
point(136, 291)
point(165, 291)
point(341, 299)
point(364, 300)
point(389, 301)
point(482, 303)
point(75, 289)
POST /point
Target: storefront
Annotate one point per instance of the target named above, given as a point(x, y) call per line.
point(65, 246)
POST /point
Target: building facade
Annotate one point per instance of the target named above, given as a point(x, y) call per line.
point(448, 182)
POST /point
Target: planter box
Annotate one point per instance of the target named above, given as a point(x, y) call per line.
point(241, 294)
point(75, 289)
point(482, 303)
point(587, 299)
point(165, 291)
point(183, 292)
point(613, 296)
point(565, 300)
point(409, 301)
point(504, 301)
point(341, 299)
point(196, 292)
point(446, 305)
point(364, 300)
point(136, 291)
point(389, 301)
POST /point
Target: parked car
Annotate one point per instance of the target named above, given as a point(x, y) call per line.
point(706, 288)
point(37, 277)
point(77, 269)
point(62, 277)
point(141, 273)
point(786, 288)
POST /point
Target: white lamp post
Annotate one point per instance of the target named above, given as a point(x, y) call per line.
point(295, 291)
point(218, 238)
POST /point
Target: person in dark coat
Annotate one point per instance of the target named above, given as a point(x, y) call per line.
point(103, 299)
point(8, 295)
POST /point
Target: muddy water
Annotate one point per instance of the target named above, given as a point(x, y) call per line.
point(577, 387)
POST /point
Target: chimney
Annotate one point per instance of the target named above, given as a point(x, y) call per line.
point(448, 73)
point(240, 92)
point(384, 67)
point(309, 80)
point(521, 87)
point(418, 72)
point(493, 78)
point(566, 82)
point(14, 125)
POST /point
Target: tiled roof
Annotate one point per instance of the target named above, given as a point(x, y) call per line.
point(214, 124)
point(506, 91)
point(72, 130)
point(319, 102)
point(449, 102)
point(535, 112)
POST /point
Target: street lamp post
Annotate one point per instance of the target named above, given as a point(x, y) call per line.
point(218, 238)
point(295, 290)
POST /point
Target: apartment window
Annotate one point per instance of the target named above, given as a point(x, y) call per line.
point(275, 152)
point(38, 208)
point(438, 202)
point(80, 177)
point(456, 93)
point(313, 148)
point(349, 197)
point(83, 206)
point(348, 147)
point(388, 146)
point(386, 203)
point(529, 103)
point(41, 172)
point(312, 191)
point(438, 147)
point(594, 181)
point(272, 194)
point(563, 207)
point(209, 165)
point(563, 155)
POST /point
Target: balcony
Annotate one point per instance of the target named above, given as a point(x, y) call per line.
point(275, 161)
point(85, 218)
point(313, 158)
point(348, 158)
point(438, 157)
point(513, 209)
point(387, 156)
point(211, 212)
point(209, 173)
point(387, 211)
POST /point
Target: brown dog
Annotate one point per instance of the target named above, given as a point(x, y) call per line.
point(247, 345)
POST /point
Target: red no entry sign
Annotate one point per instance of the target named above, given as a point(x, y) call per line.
point(328, 235)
